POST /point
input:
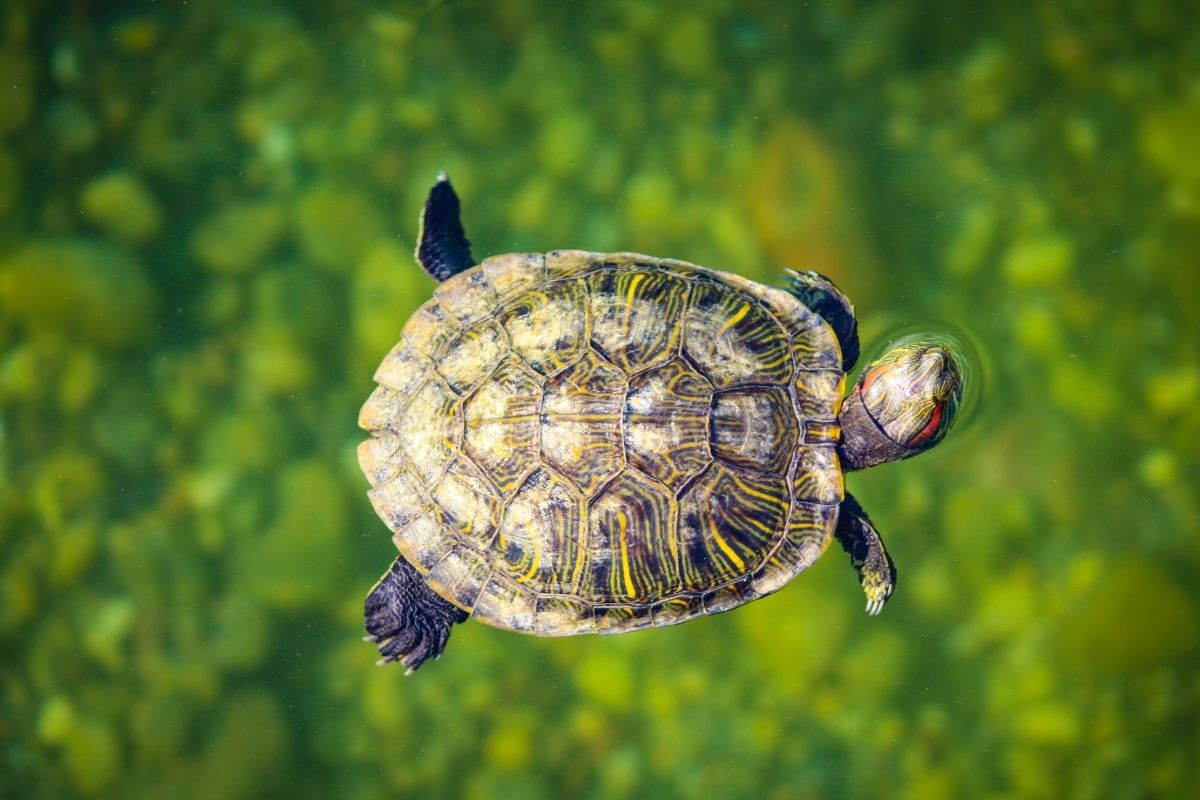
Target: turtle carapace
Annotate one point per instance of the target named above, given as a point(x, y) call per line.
point(577, 442)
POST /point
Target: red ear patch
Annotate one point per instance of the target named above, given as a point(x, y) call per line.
point(929, 429)
point(871, 377)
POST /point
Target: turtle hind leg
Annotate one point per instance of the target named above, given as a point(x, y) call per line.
point(442, 246)
point(822, 296)
point(408, 621)
point(868, 556)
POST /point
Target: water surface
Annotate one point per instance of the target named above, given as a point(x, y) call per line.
point(206, 224)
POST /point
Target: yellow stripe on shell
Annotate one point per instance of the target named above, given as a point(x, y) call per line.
point(631, 294)
point(725, 548)
point(580, 552)
point(728, 520)
point(734, 320)
point(755, 493)
point(536, 561)
point(623, 525)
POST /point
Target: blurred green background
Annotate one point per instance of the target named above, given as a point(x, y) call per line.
point(206, 223)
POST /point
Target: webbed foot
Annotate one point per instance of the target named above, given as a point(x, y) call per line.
point(869, 557)
point(442, 247)
point(408, 621)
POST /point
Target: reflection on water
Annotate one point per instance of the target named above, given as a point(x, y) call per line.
point(206, 217)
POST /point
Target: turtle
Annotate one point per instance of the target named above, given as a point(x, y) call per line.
point(573, 442)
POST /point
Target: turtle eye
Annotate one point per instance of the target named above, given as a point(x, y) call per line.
point(931, 427)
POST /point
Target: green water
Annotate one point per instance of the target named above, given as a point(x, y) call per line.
point(206, 220)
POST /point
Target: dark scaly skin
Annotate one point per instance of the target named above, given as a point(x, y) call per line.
point(868, 556)
point(407, 620)
point(442, 246)
point(864, 444)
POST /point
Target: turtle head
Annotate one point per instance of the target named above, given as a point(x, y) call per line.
point(903, 404)
point(912, 392)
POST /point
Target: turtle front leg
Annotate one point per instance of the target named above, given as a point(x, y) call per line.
point(406, 619)
point(869, 557)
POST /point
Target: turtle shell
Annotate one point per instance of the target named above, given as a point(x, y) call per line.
point(577, 442)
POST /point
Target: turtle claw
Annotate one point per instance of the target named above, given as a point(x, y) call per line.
point(875, 606)
point(878, 594)
point(868, 556)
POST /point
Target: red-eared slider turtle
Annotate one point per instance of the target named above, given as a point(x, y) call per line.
point(578, 442)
